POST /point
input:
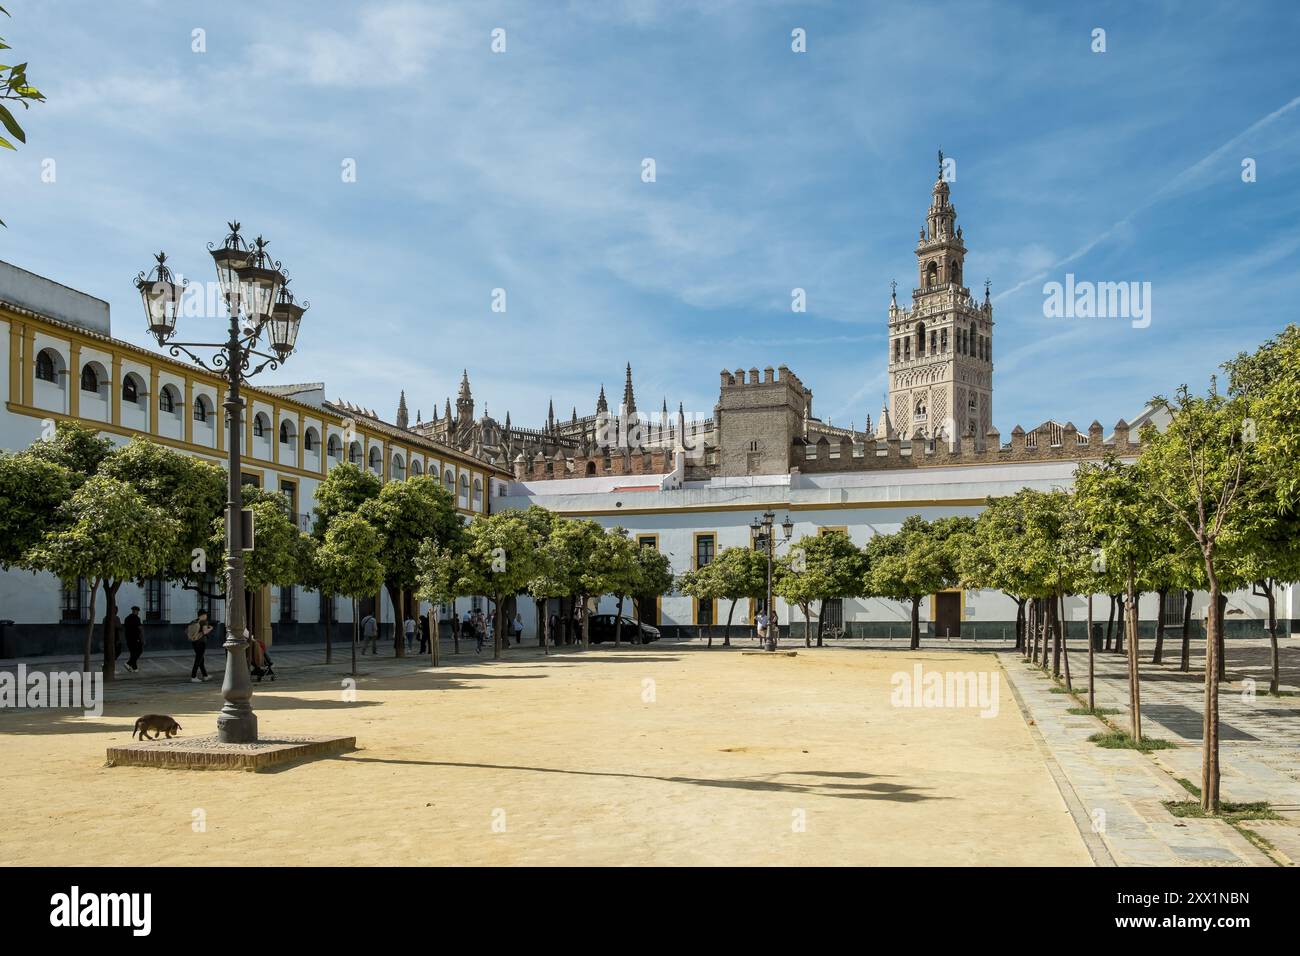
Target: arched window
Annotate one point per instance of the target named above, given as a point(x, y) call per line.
point(898, 349)
point(464, 487)
point(591, 465)
point(943, 340)
point(202, 408)
point(354, 453)
point(286, 433)
point(417, 469)
point(130, 393)
point(45, 369)
point(259, 425)
point(478, 493)
point(89, 380)
point(449, 479)
point(309, 440)
point(333, 447)
point(954, 271)
point(920, 339)
point(397, 468)
point(167, 399)
point(931, 275)
point(376, 460)
point(970, 342)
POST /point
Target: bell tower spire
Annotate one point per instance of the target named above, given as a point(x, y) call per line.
point(940, 349)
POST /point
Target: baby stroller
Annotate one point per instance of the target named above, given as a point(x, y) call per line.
point(259, 662)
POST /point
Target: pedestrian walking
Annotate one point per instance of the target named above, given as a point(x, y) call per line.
point(197, 634)
point(480, 632)
point(134, 639)
point(424, 633)
point(760, 626)
point(370, 634)
point(409, 627)
point(518, 627)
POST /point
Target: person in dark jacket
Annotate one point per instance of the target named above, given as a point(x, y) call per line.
point(134, 639)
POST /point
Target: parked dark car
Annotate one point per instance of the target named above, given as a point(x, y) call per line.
point(602, 630)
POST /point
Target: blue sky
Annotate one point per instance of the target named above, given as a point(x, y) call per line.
point(775, 170)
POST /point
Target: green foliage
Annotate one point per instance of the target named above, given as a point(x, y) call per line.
point(15, 88)
point(572, 548)
point(189, 489)
point(347, 561)
point(440, 574)
point(345, 489)
point(501, 555)
point(406, 514)
point(1266, 383)
point(615, 563)
point(819, 567)
point(31, 490)
point(75, 447)
point(107, 531)
point(654, 573)
point(280, 555)
point(735, 574)
point(912, 562)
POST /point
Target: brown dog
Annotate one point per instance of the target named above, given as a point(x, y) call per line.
point(158, 723)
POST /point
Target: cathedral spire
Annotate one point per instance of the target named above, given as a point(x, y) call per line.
point(464, 400)
point(602, 405)
point(629, 399)
point(550, 416)
point(447, 411)
point(402, 417)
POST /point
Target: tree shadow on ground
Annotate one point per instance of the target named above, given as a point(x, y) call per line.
point(894, 792)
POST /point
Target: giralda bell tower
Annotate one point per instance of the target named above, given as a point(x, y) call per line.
point(941, 349)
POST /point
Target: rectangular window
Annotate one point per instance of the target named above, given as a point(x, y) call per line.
point(74, 599)
point(1173, 609)
point(648, 541)
point(287, 615)
point(207, 598)
point(155, 600)
point(704, 549)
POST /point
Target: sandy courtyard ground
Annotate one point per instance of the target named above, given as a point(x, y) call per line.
point(667, 755)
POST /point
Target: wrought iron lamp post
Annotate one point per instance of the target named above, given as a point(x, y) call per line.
point(765, 539)
point(255, 289)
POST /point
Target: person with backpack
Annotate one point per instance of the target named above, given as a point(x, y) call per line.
point(197, 634)
point(480, 631)
point(409, 627)
point(370, 634)
point(134, 639)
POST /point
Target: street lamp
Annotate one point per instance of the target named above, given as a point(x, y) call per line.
point(254, 287)
point(763, 538)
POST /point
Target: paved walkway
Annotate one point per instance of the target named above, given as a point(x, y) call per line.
point(1121, 792)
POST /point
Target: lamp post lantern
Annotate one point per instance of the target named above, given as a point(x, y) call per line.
point(762, 526)
point(255, 289)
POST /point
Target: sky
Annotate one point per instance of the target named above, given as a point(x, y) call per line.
point(775, 170)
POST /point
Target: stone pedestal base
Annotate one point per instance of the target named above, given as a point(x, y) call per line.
point(209, 753)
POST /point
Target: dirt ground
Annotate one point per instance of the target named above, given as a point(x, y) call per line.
point(641, 756)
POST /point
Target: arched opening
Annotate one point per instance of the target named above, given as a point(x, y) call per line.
point(478, 494)
point(286, 432)
point(591, 467)
point(397, 468)
point(202, 408)
point(376, 460)
point(931, 275)
point(417, 469)
point(334, 447)
point(310, 439)
point(261, 424)
point(464, 491)
point(90, 378)
point(449, 479)
point(920, 339)
point(48, 364)
point(954, 271)
point(354, 453)
point(168, 398)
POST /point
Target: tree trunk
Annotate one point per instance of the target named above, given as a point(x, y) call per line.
point(1222, 649)
point(1063, 625)
point(354, 637)
point(1210, 723)
point(1185, 664)
point(1020, 625)
point(1055, 615)
point(110, 630)
point(1110, 623)
point(1158, 654)
point(433, 634)
point(636, 616)
point(497, 614)
point(1031, 638)
point(396, 595)
point(586, 629)
point(807, 624)
point(1134, 690)
point(329, 613)
point(726, 634)
point(1274, 676)
point(455, 628)
point(545, 629)
point(1121, 624)
point(1092, 653)
point(618, 623)
point(90, 625)
point(916, 624)
point(821, 621)
point(1046, 608)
